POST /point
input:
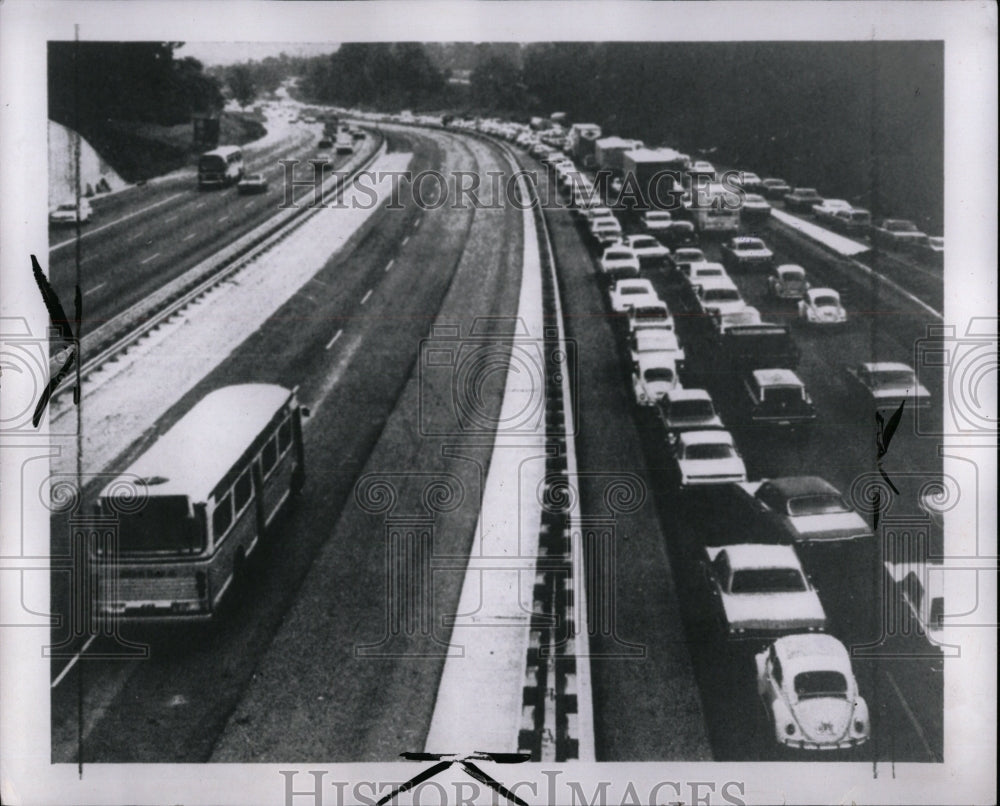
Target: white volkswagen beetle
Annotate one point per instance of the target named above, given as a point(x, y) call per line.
point(808, 688)
point(821, 306)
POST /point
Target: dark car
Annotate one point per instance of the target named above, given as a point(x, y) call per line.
point(744, 348)
point(802, 200)
point(678, 234)
point(805, 509)
point(776, 397)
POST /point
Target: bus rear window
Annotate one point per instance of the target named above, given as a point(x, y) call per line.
point(211, 163)
point(163, 525)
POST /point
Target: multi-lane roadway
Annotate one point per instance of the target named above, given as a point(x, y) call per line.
point(277, 676)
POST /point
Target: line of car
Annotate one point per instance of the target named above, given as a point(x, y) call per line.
point(759, 588)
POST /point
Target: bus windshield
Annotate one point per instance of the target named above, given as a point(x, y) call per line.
point(163, 525)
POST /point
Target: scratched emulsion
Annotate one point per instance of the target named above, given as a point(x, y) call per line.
point(127, 396)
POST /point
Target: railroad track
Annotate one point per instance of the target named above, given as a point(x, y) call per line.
point(114, 338)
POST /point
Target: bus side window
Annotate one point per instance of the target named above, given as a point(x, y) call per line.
point(284, 436)
point(244, 488)
point(269, 456)
point(222, 517)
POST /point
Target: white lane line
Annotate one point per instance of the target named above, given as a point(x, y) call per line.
point(151, 257)
point(224, 218)
point(92, 290)
point(368, 293)
point(172, 218)
point(405, 240)
point(333, 341)
point(189, 236)
point(115, 222)
point(417, 223)
point(897, 288)
point(248, 204)
point(199, 205)
point(389, 264)
point(317, 280)
point(72, 662)
point(913, 718)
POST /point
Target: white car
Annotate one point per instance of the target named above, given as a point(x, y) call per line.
point(787, 281)
point(655, 340)
point(697, 273)
point(688, 410)
point(746, 252)
point(606, 231)
point(886, 384)
point(619, 262)
point(707, 457)
point(821, 306)
point(762, 590)
point(702, 168)
point(649, 250)
point(748, 180)
point(656, 221)
point(626, 293)
point(649, 315)
point(719, 295)
point(828, 208)
point(66, 213)
point(653, 375)
point(809, 690)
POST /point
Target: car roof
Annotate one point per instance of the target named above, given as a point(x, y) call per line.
point(805, 651)
point(776, 377)
point(787, 268)
point(677, 395)
point(795, 486)
point(708, 264)
point(717, 282)
point(655, 334)
point(744, 239)
point(819, 292)
point(886, 366)
point(706, 437)
point(761, 555)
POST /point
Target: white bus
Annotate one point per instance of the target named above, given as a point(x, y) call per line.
point(715, 208)
point(212, 484)
point(221, 167)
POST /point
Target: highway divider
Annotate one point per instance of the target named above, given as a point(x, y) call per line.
point(123, 329)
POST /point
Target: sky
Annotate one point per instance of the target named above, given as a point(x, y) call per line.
point(213, 53)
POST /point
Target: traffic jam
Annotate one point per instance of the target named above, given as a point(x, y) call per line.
point(709, 317)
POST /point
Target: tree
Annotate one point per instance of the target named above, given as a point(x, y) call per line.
point(241, 84)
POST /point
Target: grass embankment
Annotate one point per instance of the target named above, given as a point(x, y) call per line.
point(140, 151)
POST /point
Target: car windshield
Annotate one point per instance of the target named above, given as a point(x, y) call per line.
point(826, 301)
point(707, 272)
point(684, 409)
point(806, 192)
point(67, 208)
point(782, 395)
point(938, 242)
point(602, 224)
point(682, 227)
point(820, 684)
point(817, 504)
point(650, 313)
point(767, 580)
point(900, 226)
point(721, 295)
point(645, 243)
point(747, 317)
point(791, 275)
point(654, 374)
point(634, 289)
point(618, 256)
point(895, 377)
point(750, 243)
point(709, 450)
point(753, 197)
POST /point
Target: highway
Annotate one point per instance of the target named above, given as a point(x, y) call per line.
point(277, 675)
